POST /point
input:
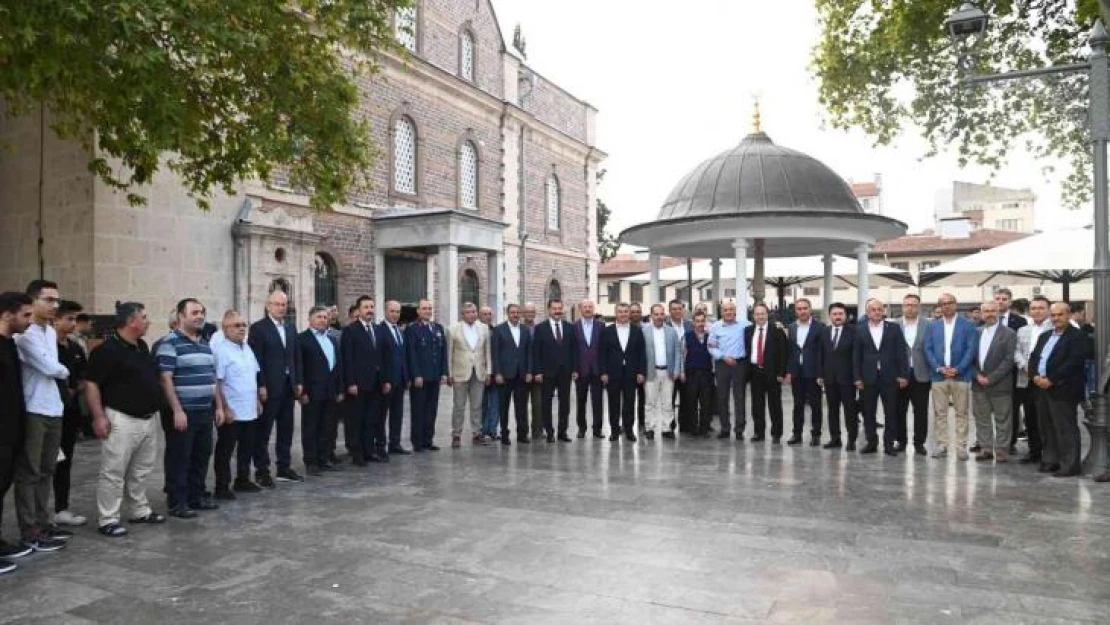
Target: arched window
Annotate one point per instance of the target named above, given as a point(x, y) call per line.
point(327, 285)
point(404, 156)
point(405, 27)
point(468, 289)
point(468, 175)
point(466, 55)
point(554, 291)
point(281, 284)
point(553, 201)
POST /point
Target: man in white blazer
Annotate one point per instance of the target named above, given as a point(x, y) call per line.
point(468, 359)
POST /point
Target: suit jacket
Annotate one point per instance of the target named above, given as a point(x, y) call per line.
point(999, 364)
point(804, 361)
point(920, 366)
point(1015, 322)
point(363, 361)
point(776, 349)
point(587, 360)
point(1065, 366)
point(965, 342)
point(320, 381)
point(623, 365)
point(396, 364)
point(885, 364)
point(426, 350)
point(509, 359)
point(551, 357)
point(836, 361)
point(277, 362)
point(464, 361)
point(675, 362)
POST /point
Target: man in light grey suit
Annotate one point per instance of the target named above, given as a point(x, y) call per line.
point(992, 386)
point(664, 366)
point(916, 393)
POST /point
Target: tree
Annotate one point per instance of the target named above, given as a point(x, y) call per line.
point(217, 92)
point(887, 67)
point(607, 244)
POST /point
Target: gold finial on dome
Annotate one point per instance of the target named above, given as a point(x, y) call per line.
point(756, 117)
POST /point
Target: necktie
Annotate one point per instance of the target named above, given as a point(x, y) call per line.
point(759, 349)
point(397, 336)
point(836, 337)
point(558, 332)
point(370, 331)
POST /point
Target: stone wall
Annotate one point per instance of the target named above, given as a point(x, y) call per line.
point(444, 20)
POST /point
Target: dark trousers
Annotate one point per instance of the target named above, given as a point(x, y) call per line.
point(1018, 402)
point(916, 394)
point(71, 425)
point(622, 396)
point(393, 409)
point(363, 416)
point(425, 404)
point(514, 390)
point(553, 384)
point(534, 395)
point(697, 395)
point(731, 380)
point(278, 410)
point(1059, 431)
point(842, 397)
point(766, 390)
point(1030, 411)
point(235, 438)
point(7, 473)
point(678, 401)
point(187, 456)
point(640, 405)
point(872, 394)
point(317, 417)
point(591, 385)
point(806, 392)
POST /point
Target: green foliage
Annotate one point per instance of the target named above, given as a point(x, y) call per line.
point(886, 66)
point(217, 90)
point(607, 243)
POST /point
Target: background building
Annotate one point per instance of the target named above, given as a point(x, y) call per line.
point(988, 207)
point(484, 191)
point(870, 195)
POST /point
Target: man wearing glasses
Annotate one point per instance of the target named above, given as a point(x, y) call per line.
point(950, 347)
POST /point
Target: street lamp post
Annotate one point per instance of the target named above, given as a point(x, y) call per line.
point(966, 28)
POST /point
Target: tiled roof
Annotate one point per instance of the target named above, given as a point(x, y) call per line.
point(865, 189)
point(632, 264)
point(928, 242)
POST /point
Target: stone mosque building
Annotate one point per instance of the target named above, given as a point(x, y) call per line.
point(484, 191)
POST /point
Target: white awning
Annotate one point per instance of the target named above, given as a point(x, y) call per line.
point(792, 270)
point(1063, 256)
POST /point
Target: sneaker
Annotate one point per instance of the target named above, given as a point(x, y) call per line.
point(65, 517)
point(44, 543)
point(57, 533)
point(6, 566)
point(8, 550)
point(288, 475)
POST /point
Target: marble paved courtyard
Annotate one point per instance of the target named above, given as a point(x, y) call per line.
point(688, 531)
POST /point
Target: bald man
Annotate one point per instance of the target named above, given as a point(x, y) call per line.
point(274, 341)
point(1056, 368)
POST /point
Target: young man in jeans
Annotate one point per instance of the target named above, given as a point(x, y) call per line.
point(15, 316)
point(41, 369)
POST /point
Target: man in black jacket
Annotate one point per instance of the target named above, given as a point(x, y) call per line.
point(623, 370)
point(362, 363)
point(881, 366)
point(767, 347)
point(836, 375)
point(1056, 367)
point(396, 375)
point(15, 316)
point(323, 391)
point(274, 341)
point(802, 372)
point(553, 366)
point(511, 353)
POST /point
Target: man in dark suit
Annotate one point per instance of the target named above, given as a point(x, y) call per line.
point(426, 351)
point(396, 375)
point(880, 365)
point(623, 370)
point(676, 318)
point(766, 344)
point(511, 353)
point(916, 393)
point(274, 341)
point(837, 378)
point(1059, 380)
point(802, 372)
point(587, 341)
point(636, 318)
point(323, 391)
point(554, 363)
point(1009, 318)
point(364, 361)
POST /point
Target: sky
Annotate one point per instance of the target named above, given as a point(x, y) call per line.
point(674, 84)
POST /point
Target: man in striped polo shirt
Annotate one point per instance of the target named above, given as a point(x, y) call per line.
point(189, 381)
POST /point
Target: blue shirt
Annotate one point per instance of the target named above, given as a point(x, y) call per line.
point(194, 372)
point(727, 340)
point(237, 371)
point(1042, 364)
point(324, 339)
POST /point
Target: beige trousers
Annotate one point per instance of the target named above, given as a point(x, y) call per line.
point(957, 394)
point(127, 457)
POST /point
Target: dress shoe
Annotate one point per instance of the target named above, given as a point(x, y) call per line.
point(630, 437)
point(397, 450)
point(794, 440)
point(724, 435)
point(432, 447)
point(1072, 473)
point(359, 462)
point(650, 434)
point(329, 468)
point(776, 440)
point(870, 448)
point(1103, 478)
point(598, 434)
point(505, 441)
point(551, 438)
point(265, 481)
point(740, 436)
point(1049, 468)
point(581, 433)
point(378, 456)
point(334, 459)
point(890, 451)
point(523, 440)
point(563, 438)
point(204, 504)
point(225, 494)
point(976, 448)
point(815, 441)
point(1030, 459)
point(668, 435)
point(312, 470)
point(614, 437)
point(287, 474)
point(833, 444)
point(758, 438)
point(984, 456)
point(920, 450)
point(851, 446)
point(242, 485)
point(182, 513)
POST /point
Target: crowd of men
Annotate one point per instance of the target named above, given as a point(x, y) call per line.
point(221, 393)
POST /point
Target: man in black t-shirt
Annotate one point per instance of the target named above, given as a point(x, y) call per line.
point(124, 395)
point(72, 356)
point(15, 316)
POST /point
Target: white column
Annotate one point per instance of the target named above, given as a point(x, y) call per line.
point(741, 247)
point(379, 282)
point(827, 287)
point(495, 274)
point(653, 289)
point(862, 287)
point(714, 308)
point(447, 270)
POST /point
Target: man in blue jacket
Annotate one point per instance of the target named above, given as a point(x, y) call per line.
point(951, 343)
point(426, 350)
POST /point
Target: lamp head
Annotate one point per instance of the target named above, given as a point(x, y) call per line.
point(968, 23)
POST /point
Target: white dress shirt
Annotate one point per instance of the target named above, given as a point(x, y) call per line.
point(470, 333)
point(836, 336)
point(237, 371)
point(38, 353)
point(622, 335)
point(514, 330)
point(800, 334)
point(949, 330)
point(659, 337)
point(876, 333)
point(909, 330)
point(587, 329)
point(280, 325)
point(754, 356)
point(985, 343)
